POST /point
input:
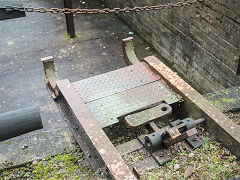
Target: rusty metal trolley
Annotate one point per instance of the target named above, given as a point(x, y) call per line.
point(138, 95)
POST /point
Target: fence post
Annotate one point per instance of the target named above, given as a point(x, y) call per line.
point(69, 19)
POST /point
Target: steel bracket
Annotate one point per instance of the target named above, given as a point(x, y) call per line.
point(159, 155)
point(148, 115)
point(50, 76)
point(128, 51)
point(194, 140)
point(155, 142)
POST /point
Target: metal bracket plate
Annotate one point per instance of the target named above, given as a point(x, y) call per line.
point(194, 141)
point(177, 122)
point(113, 95)
point(160, 155)
point(148, 115)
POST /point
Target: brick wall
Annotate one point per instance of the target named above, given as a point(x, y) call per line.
point(200, 42)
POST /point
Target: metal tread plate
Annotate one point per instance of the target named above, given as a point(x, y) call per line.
point(108, 109)
point(115, 81)
point(117, 93)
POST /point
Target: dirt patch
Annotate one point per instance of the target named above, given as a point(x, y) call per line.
point(235, 116)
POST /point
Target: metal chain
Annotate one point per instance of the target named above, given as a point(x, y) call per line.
point(106, 10)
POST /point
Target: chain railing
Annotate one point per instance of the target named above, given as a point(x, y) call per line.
point(106, 10)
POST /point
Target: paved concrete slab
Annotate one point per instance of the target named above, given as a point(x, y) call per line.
point(96, 49)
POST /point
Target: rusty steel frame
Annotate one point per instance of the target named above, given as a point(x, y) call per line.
point(50, 75)
point(97, 146)
point(94, 136)
point(217, 123)
point(128, 51)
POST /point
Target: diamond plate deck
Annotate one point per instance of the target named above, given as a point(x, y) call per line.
point(117, 93)
point(115, 81)
point(108, 109)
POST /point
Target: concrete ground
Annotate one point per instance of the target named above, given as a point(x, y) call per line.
point(24, 41)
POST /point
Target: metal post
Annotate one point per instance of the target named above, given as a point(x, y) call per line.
point(238, 68)
point(69, 19)
point(16, 123)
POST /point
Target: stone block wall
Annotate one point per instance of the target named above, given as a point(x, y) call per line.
point(200, 42)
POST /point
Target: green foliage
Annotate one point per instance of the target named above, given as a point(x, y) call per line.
point(211, 162)
point(172, 162)
point(27, 174)
point(207, 145)
point(141, 157)
point(67, 36)
point(65, 166)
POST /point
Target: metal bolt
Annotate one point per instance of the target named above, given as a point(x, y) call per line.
point(148, 144)
point(195, 139)
point(161, 155)
point(75, 127)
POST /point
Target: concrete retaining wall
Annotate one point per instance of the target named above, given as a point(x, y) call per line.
point(200, 42)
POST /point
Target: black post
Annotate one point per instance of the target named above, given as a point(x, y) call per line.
point(19, 122)
point(238, 68)
point(69, 19)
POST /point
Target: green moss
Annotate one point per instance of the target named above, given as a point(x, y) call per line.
point(225, 100)
point(44, 134)
point(141, 157)
point(68, 37)
point(8, 142)
point(52, 168)
point(226, 91)
point(215, 102)
point(172, 162)
point(218, 102)
point(65, 166)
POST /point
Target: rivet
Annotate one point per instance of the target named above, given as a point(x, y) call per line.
point(195, 139)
